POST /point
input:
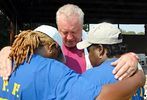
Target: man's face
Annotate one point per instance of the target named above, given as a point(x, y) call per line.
point(70, 30)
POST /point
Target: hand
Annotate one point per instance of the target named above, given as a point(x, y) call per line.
point(125, 66)
point(5, 63)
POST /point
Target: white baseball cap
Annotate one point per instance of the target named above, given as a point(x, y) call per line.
point(53, 33)
point(103, 33)
point(50, 31)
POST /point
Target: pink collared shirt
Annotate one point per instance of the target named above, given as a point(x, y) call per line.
point(75, 59)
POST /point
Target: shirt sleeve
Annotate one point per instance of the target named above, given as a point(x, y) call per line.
point(47, 77)
point(76, 87)
point(56, 81)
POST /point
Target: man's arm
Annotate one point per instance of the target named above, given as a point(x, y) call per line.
point(5, 63)
point(124, 89)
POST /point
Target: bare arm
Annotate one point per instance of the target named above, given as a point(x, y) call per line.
point(5, 63)
point(124, 89)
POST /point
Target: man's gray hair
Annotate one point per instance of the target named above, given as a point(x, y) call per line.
point(69, 10)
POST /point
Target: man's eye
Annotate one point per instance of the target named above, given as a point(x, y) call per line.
point(64, 33)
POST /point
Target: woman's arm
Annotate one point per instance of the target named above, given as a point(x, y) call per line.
point(124, 89)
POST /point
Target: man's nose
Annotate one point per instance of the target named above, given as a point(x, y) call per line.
point(70, 36)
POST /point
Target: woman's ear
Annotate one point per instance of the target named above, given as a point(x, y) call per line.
point(50, 49)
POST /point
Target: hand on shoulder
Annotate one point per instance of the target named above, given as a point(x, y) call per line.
point(5, 63)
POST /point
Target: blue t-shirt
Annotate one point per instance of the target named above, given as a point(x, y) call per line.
point(102, 75)
point(139, 94)
point(99, 76)
point(46, 79)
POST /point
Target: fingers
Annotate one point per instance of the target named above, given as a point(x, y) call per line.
point(121, 73)
point(115, 63)
point(5, 72)
point(5, 77)
point(125, 66)
point(127, 74)
point(119, 64)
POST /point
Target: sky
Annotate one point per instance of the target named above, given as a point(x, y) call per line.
point(128, 27)
point(133, 27)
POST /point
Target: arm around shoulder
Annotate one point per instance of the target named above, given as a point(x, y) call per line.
point(5, 62)
point(122, 90)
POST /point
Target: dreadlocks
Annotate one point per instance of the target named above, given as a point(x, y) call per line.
point(25, 45)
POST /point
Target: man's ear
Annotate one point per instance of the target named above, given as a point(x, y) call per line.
point(100, 52)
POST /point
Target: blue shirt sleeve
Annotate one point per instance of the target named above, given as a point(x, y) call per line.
point(83, 89)
point(56, 81)
point(76, 87)
point(47, 78)
point(100, 75)
point(139, 95)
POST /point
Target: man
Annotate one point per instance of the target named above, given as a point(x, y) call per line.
point(70, 19)
point(38, 76)
point(105, 45)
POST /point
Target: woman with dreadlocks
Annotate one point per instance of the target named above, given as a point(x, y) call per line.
point(38, 76)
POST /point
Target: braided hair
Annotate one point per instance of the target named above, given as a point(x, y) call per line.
point(25, 44)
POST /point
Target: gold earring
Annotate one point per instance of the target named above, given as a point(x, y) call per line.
point(50, 51)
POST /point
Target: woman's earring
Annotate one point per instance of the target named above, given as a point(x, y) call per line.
point(50, 51)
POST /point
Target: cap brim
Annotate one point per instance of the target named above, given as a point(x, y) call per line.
point(83, 44)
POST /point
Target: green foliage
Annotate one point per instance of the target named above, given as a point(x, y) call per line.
point(86, 27)
point(132, 33)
